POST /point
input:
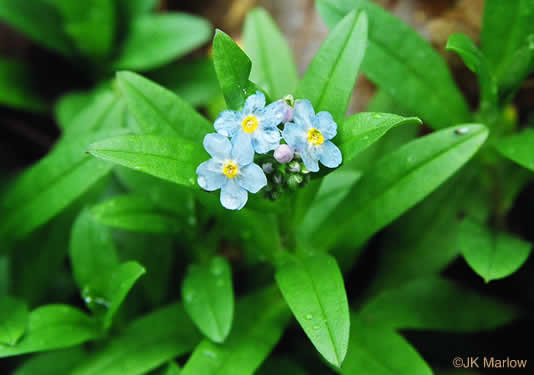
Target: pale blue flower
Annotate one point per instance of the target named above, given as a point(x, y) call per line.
point(231, 169)
point(309, 134)
point(256, 124)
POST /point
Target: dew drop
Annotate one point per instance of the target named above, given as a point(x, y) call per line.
point(316, 328)
point(209, 353)
point(201, 180)
point(377, 115)
point(309, 316)
point(461, 131)
point(189, 297)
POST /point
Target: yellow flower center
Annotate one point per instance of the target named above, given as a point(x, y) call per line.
point(230, 169)
point(249, 124)
point(315, 137)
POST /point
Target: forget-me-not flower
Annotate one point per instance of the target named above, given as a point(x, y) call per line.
point(231, 169)
point(309, 134)
point(256, 124)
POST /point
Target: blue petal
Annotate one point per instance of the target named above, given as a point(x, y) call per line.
point(233, 196)
point(228, 123)
point(310, 159)
point(324, 122)
point(218, 146)
point(304, 113)
point(242, 150)
point(210, 176)
point(295, 135)
point(273, 114)
point(252, 178)
point(254, 103)
point(266, 140)
point(330, 155)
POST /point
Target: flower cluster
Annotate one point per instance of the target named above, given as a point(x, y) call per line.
point(255, 130)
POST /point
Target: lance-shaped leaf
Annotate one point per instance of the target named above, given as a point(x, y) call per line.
point(106, 292)
point(144, 345)
point(402, 63)
point(38, 20)
point(425, 304)
point(157, 39)
point(52, 363)
point(17, 87)
point(195, 80)
point(331, 76)
point(397, 182)
point(92, 250)
point(14, 318)
point(405, 252)
point(492, 255)
point(159, 111)
point(361, 130)
point(380, 351)
point(273, 66)
point(260, 321)
point(50, 186)
point(314, 290)
point(519, 148)
point(172, 159)
point(506, 27)
point(209, 298)
point(136, 213)
point(53, 327)
point(68, 106)
point(475, 60)
point(233, 67)
point(172, 369)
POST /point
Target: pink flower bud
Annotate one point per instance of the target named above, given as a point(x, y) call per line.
point(283, 154)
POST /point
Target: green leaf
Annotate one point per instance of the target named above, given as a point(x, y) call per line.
point(475, 60)
point(107, 290)
point(67, 108)
point(209, 298)
point(39, 21)
point(105, 112)
point(50, 186)
point(171, 159)
point(52, 363)
point(378, 351)
point(53, 327)
point(406, 255)
point(136, 213)
point(90, 25)
point(166, 195)
point(92, 250)
point(273, 66)
point(518, 148)
point(17, 87)
point(144, 345)
point(314, 290)
point(331, 76)
point(233, 67)
point(425, 304)
point(13, 318)
point(134, 8)
point(506, 27)
point(402, 63)
point(157, 39)
point(259, 324)
point(361, 130)
point(159, 111)
point(195, 81)
point(387, 191)
point(492, 255)
point(172, 369)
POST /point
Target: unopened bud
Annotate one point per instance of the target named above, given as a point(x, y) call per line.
point(294, 167)
point(283, 154)
point(278, 178)
point(290, 110)
point(267, 168)
point(294, 181)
